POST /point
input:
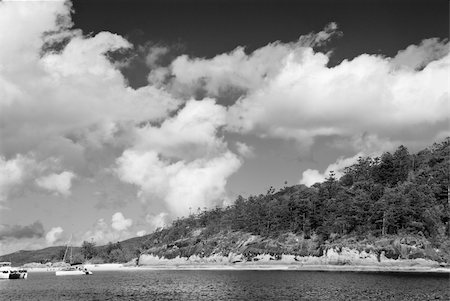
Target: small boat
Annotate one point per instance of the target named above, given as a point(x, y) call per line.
point(73, 269)
point(8, 272)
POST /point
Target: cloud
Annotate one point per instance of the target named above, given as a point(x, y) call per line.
point(23, 173)
point(119, 222)
point(55, 79)
point(180, 185)
point(53, 235)
point(160, 220)
point(289, 91)
point(141, 233)
point(418, 56)
point(244, 150)
point(67, 109)
point(236, 70)
point(191, 134)
point(10, 245)
point(183, 163)
point(312, 176)
point(19, 232)
point(307, 99)
point(59, 183)
point(64, 91)
point(155, 53)
point(101, 232)
point(12, 173)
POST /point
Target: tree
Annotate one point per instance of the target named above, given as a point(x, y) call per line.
point(88, 249)
point(402, 164)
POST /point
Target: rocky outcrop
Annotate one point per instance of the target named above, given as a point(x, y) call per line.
point(236, 247)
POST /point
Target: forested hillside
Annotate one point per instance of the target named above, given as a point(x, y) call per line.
point(397, 203)
point(397, 195)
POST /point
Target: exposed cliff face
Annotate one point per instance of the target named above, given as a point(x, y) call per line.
point(235, 247)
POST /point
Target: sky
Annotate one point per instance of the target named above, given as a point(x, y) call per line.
point(117, 117)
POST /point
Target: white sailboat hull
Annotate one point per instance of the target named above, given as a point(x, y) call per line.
point(72, 273)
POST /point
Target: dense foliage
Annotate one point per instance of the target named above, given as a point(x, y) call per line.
point(386, 199)
point(395, 194)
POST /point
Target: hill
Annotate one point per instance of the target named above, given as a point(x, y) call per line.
point(396, 205)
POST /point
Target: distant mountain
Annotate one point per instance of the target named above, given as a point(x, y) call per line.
point(397, 204)
point(55, 254)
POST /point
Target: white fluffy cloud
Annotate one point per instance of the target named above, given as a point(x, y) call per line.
point(73, 90)
point(119, 222)
point(308, 99)
point(244, 150)
point(59, 183)
point(181, 185)
point(312, 176)
point(191, 134)
point(160, 220)
point(61, 97)
point(288, 90)
point(55, 79)
point(141, 233)
point(11, 174)
point(24, 173)
point(183, 163)
point(237, 70)
point(102, 232)
point(418, 56)
point(53, 235)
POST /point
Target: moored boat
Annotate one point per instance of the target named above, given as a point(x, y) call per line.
point(74, 268)
point(8, 272)
point(73, 271)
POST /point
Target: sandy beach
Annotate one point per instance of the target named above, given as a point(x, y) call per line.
point(253, 266)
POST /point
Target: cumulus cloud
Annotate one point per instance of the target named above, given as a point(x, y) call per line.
point(312, 176)
point(53, 235)
point(236, 70)
point(181, 185)
point(56, 79)
point(160, 220)
point(59, 183)
point(65, 90)
point(141, 233)
point(191, 134)
point(12, 173)
point(244, 150)
point(154, 55)
point(119, 222)
point(288, 90)
point(24, 172)
point(183, 163)
point(102, 232)
point(307, 100)
point(19, 232)
point(418, 56)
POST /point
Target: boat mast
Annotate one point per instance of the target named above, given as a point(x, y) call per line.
point(67, 247)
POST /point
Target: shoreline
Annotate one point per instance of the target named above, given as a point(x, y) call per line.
point(264, 267)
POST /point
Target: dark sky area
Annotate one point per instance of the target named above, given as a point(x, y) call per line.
point(204, 28)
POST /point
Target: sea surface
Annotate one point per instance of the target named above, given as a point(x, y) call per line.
point(227, 285)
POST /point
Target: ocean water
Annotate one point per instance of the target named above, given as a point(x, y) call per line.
point(228, 285)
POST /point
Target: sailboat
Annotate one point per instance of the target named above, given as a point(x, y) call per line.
point(74, 268)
